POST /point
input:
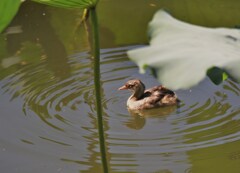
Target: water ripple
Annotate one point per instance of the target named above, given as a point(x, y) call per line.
point(208, 115)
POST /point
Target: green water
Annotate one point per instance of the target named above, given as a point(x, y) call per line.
point(48, 119)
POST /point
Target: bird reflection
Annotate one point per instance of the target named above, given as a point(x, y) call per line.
point(136, 122)
point(139, 117)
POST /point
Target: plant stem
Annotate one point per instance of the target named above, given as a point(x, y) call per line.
point(96, 54)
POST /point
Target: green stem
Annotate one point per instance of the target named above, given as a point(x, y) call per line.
point(96, 54)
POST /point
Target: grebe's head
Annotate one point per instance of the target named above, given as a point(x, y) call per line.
point(133, 85)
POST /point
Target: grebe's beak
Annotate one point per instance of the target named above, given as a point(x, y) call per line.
point(123, 88)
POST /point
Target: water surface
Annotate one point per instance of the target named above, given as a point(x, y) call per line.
point(48, 114)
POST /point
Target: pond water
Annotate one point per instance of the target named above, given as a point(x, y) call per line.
point(48, 119)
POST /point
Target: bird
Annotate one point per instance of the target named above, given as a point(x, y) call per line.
point(155, 97)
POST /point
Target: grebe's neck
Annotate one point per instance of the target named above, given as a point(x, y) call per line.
point(138, 92)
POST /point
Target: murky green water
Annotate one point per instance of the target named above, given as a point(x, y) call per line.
point(48, 119)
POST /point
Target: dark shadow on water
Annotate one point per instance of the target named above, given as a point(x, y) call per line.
point(33, 19)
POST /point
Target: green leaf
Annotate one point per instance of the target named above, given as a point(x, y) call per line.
point(8, 9)
point(70, 3)
point(182, 53)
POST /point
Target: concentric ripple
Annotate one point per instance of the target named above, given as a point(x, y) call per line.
point(60, 115)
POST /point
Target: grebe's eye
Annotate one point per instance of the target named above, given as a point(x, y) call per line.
point(129, 85)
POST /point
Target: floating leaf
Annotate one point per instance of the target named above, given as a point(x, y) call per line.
point(8, 9)
point(70, 4)
point(182, 53)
